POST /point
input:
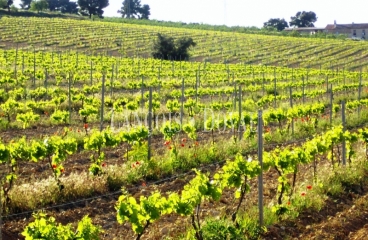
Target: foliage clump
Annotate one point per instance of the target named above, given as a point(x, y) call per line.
point(167, 48)
point(45, 227)
point(134, 9)
point(276, 23)
point(303, 19)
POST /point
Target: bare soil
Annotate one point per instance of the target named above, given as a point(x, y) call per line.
point(341, 218)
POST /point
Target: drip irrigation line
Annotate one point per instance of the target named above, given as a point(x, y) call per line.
point(138, 187)
point(110, 194)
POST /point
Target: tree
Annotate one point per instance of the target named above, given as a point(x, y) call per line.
point(167, 48)
point(39, 5)
point(5, 4)
point(64, 6)
point(130, 8)
point(303, 19)
point(182, 47)
point(145, 11)
point(89, 7)
point(68, 7)
point(277, 23)
point(26, 4)
point(53, 5)
point(134, 9)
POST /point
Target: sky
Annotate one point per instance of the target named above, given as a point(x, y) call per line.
point(249, 13)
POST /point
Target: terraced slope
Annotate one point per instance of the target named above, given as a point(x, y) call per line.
point(136, 41)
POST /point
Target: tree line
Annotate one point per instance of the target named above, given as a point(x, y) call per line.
point(301, 19)
point(129, 9)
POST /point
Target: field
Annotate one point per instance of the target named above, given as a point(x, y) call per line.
point(90, 125)
point(130, 40)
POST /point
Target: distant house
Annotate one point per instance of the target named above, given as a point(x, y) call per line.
point(353, 30)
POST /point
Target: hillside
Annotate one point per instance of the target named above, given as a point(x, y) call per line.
point(130, 40)
point(156, 149)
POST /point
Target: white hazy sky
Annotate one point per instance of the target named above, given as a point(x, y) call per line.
point(249, 13)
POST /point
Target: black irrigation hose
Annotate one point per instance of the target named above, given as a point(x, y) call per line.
point(268, 146)
point(111, 194)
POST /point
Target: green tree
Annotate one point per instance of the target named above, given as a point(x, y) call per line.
point(53, 5)
point(303, 19)
point(64, 6)
point(25, 4)
point(130, 8)
point(39, 5)
point(134, 9)
point(67, 6)
point(277, 23)
point(5, 4)
point(92, 7)
point(144, 11)
point(167, 48)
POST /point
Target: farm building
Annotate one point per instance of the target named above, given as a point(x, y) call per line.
point(353, 30)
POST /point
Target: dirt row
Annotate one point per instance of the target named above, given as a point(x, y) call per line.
point(80, 161)
point(103, 213)
point(343, 217)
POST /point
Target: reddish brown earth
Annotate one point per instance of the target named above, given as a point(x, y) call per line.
point(102, 211)
point(342, 218)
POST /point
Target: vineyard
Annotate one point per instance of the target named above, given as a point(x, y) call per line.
point(251, 129)
point(129, 40)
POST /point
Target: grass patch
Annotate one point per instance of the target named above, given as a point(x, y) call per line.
point(345, 179)
point(41, 193)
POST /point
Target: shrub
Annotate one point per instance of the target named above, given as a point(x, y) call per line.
point(45, 227)
point(167, 48)
point(220, 229)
